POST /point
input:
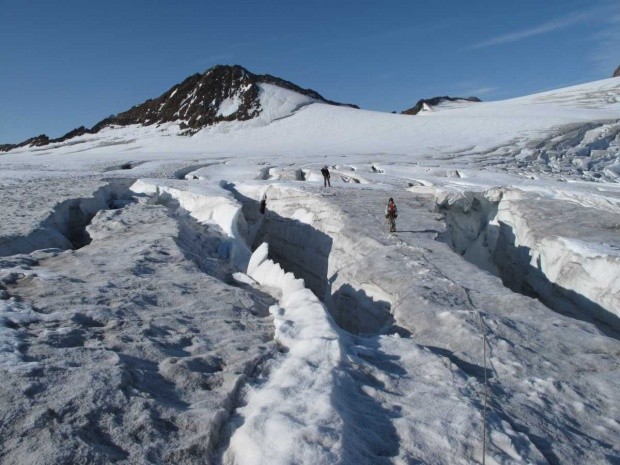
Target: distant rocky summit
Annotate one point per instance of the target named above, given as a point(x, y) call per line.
point(431, 103)
point(617, 72)
point(41, 139)
point(222, 93)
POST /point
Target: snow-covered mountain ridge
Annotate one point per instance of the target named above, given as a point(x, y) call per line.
point(222, 93)
point(435, 103)
point(149, 313)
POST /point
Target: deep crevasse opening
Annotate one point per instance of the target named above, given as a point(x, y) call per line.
point(315, 254)
point(66, 226)
point(315, 393)
point(326, 400)
point(499, 232)
point(206, 205)
point(301, 383)
point(304, 379)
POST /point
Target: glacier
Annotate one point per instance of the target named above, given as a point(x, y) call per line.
point(149, 313)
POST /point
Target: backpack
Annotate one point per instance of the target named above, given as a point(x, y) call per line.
point(392, 210)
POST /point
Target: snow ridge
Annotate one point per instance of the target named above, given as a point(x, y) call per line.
point(307, 334)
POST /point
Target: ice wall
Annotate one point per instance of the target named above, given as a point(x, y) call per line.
point(206, 205)
point(305, 238)
point(65, 226)
point(531, 243)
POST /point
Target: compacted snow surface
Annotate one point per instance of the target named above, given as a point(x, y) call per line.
point(149, 313)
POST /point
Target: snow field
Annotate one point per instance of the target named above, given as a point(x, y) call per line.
point(488, 133)
point(138, 347)
point(373, 365)
point(325, 378)
point(439, 323)
point(245, 443)
point(16, 313)
point(229, 106)
point(326, 372)
point(131, 369)
point(277, 103)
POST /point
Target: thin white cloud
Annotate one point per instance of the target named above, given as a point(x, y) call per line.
point(473, 88)
point(480, 91)
point(544, 28)
point(606, 54)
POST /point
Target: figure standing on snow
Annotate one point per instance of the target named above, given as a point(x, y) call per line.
point(391, 213)
point(263, 204)
point(325, 173)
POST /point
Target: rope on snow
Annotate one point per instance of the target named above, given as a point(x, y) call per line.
point(486, 389)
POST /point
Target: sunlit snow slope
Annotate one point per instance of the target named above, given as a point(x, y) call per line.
point(150, 313)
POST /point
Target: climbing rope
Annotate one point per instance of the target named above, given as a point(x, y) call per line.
point(486, 390)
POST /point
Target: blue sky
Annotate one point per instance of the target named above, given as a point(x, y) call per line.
point(69, 63)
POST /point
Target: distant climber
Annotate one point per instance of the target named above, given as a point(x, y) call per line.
point(391, 213)
point(325, 173)
point(263, 204)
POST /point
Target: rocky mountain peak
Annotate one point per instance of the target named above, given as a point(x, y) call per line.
point(434, 101)
point(222, 93)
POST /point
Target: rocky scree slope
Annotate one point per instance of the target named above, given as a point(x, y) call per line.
point(222, 93)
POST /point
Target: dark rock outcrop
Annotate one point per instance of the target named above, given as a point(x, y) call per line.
point(43, 139)
point(76, 132)
point(195, 103)
point(431, 102)
point(617, 72)
point(37, 141)
point(7, 147)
